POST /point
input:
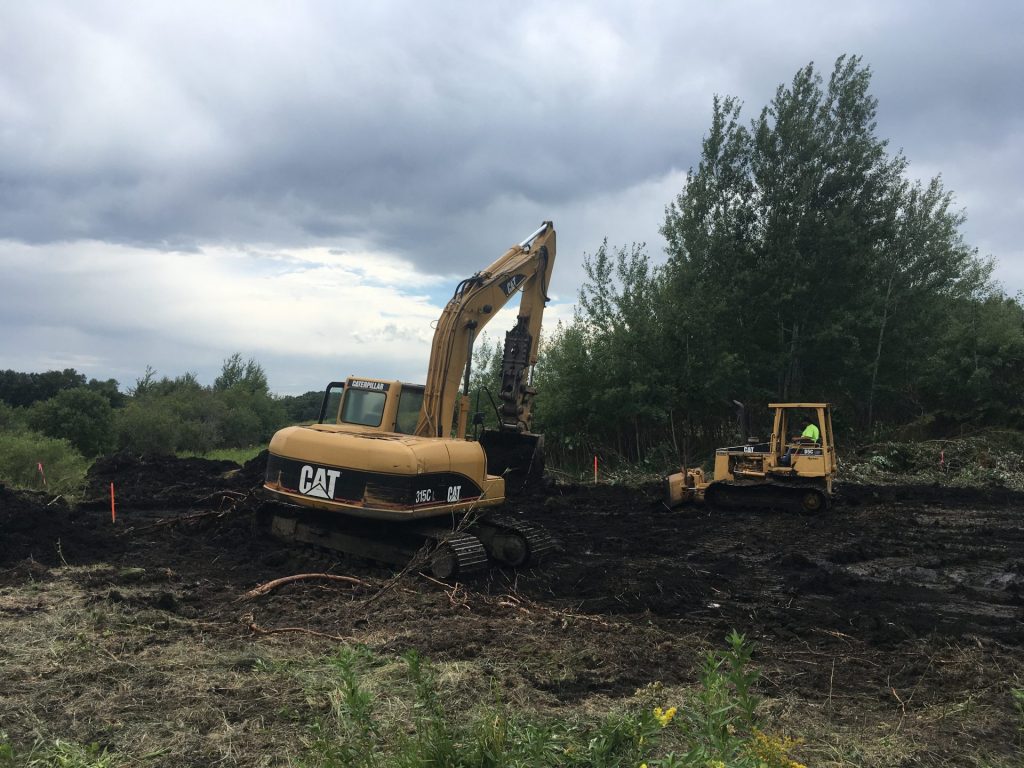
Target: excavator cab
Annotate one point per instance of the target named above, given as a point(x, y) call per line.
point(384, 406)
point(787, 471)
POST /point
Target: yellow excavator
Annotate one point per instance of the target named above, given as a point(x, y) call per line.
point(389, 466)
point(793, 474)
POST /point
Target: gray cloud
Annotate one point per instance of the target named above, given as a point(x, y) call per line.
point(442, 133)
point(177, 126)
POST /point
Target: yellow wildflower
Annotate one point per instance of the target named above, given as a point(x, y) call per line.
point(773, 751)
point(664, 716)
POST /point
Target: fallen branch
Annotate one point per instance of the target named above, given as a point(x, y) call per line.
point(263, 589)
point(258, 630)
point(453, 594)
point(190, 517)
point(421, 557)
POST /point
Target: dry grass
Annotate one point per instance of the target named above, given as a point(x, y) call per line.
point(84, 663)
point(151, 688)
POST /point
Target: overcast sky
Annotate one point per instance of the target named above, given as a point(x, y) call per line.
point(306, 182)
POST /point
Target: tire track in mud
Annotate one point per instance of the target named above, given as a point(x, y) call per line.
point(883, 572)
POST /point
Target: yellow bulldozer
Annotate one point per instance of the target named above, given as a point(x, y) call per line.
point(792, 470)
point(389, 465)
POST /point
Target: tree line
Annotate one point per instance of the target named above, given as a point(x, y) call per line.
point(159, 415)
point(803, 265)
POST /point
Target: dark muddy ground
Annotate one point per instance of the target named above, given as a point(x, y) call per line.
point(893, 622)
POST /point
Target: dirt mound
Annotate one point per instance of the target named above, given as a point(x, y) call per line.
point(254, 470)
point(164, 482)
point(39, 528)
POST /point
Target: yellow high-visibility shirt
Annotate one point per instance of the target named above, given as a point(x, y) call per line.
point(812, 433)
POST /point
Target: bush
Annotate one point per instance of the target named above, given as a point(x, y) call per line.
point(22, 452)
point(12, 419)
point(148, 426)
point(81, 416)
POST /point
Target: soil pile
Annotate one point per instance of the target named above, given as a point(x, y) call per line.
point(40, 528)
point(166, 482)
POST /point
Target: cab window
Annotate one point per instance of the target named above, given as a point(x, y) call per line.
point(409, 409)
point(363, 406)
point(331, 402)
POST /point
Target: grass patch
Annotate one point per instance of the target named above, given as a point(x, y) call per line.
point(97, 674)
point(237, 455)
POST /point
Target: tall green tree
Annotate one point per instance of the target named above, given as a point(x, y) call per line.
point(803, 264)
point(800, 257)
point(609, 362)
point(236, 373)
point(921, 276)
point(23, 389)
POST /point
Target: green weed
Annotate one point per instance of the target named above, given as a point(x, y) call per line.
point(57, 754)
point(717, 726)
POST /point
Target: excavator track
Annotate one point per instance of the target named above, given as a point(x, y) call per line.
point(802, 498)
point(457, 554)
point(512, 542)
point(450, 553)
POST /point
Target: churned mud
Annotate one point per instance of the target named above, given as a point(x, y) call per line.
point(889, 630)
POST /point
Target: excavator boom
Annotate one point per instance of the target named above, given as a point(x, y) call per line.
point(526, 268)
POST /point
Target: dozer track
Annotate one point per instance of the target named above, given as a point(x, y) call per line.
point(792, 497)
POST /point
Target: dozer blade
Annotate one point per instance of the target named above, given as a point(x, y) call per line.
point(518, 456)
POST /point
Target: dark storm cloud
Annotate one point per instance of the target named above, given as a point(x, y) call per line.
point(409, 126)
point(371, 125)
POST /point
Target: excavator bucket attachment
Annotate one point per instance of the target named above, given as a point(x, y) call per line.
point(517, 456)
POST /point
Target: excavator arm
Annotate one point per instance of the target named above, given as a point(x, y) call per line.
point(525, 267)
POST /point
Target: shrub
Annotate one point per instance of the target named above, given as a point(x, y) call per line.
point(81, 416)
point(12, 419)
point(22, 452)
point(148, 426)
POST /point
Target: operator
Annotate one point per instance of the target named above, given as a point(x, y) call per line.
point(811, 434)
